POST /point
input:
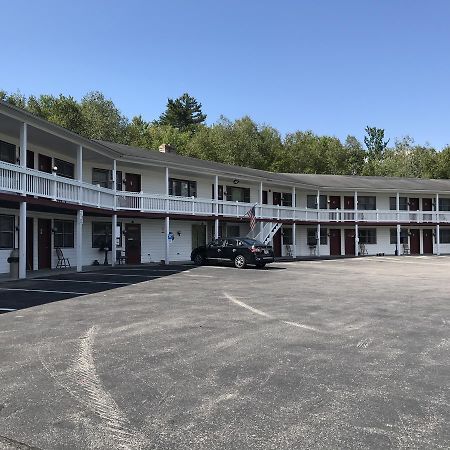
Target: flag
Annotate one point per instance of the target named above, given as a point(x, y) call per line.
point(251, 213)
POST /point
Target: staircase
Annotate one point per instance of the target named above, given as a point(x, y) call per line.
point(267, 233)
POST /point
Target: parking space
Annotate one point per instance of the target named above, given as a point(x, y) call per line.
point(348, 353)
point(19, 294)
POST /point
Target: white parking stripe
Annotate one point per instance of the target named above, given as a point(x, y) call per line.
point(119, 275)
point(8, 309)
point(80, 281)
point(43, 290)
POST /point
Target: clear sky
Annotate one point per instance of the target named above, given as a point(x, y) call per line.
point(331, 66)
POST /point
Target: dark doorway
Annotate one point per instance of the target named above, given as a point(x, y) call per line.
point(264, 197)
point(414, 242)
point(45, 163)
point(413, 204)
point(427, 241)
point(349, 202)
point(133, 243)
point(335, 242)
point(335, 202)
point(198, 235)
point(30, 159)
point(350, 242)
point(277, 198)
point(277, 243)
point(133, 182)
point(29, 243)
point(44, 243)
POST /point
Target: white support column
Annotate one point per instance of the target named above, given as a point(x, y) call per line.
point(397, 206)
point(23, 141)
point(216, 229)
point(356, 239)
point(23, 240)
point(261, 223)
point(399, 250)
point(166, 237)
point(114, 240)
point(167, 190)
point(35, 243)
point(438, 240)
point(436, 208)
point(216, 199)
point(79, 164)
point(79, 225)
point(294, 240)
point(114, 182)
point(318, 240)
point(355, 201)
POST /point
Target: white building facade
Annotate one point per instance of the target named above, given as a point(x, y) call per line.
point(59, 190)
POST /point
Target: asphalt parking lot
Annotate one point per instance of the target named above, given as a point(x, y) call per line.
point(350, 353)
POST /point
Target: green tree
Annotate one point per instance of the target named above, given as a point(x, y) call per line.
point(183, 113)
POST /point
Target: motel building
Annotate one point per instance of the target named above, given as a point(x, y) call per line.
point(62, 195)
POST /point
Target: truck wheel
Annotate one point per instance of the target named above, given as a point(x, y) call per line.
point(240, 262)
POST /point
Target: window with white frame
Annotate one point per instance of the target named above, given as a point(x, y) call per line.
point(444, 235)
point(403, 236)
point(65, 168)
point(367, 202)
point(7, 152)
point(311, 236)
point(101, 234)
point(403, 203)
point(444, 204)
point(311, 201)
point(367, 235)
point(6, 232)
point(63, 233)
point(182, 188)
point(287, 236)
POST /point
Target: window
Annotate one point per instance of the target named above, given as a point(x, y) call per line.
point(286, 199)
point(403, 203)
point(63, 233)
point(367, 236)
point(101, 234)
point(287, 236)
point(238, 194)
point(64, 168)
point(7, 152)
point(219, 192)
point(367, 202)
point(311, 201)
point(312, 236)
point(101, 177)
point(444, 204)
point(444, 235)
point(233, 230)
point(182, 188)
point(6, 231)
point(403, 236)
point(264, 198)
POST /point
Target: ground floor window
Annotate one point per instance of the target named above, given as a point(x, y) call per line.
point(367, 236)
point(233, 231)
point(101, 234)
point(312, 236)
point(444, 236)
point(6, 231)
point(287, 236)
point(63, 233)
point(403, 236)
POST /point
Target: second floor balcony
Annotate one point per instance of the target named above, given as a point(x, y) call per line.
point(15, 179)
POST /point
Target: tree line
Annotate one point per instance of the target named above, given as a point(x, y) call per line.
point(241, 142)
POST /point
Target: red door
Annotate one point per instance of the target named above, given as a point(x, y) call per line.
point(133, 182)
point(45, 163)
point(349, 202)
point(29, 243)
point(133, 243)
point(427, 241)
point(277, 243)
point(335, 242)
point(414, 242)
point(44, 243)
point(335, 202)
point(349, 242)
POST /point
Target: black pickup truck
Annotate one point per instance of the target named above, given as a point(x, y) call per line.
point(240, 251)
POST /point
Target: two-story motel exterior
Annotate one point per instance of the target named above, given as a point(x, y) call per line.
point(58, 189)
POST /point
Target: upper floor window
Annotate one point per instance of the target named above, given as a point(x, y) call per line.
point(367, 202)
point(103, 177)
point(311, 201)
point(403, 203)
point(64, 168)
point(286, 199)
point(63, 233)
point(7, 152)
point(444, 204)
point(6, 231)
point(238, 194)
point(182, 188)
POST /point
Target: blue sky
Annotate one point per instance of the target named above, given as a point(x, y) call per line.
point(329, 66)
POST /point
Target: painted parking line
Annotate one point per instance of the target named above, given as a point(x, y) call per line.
point(80, 281)
point(148, 270)
point(44, 290)
point(7, 309)
point(119, 275)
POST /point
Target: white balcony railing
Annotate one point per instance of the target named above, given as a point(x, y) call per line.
point(24, 181)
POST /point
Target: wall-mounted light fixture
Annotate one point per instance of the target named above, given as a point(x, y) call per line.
point(55, 169)
point(235, 181)
point(179, 233)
